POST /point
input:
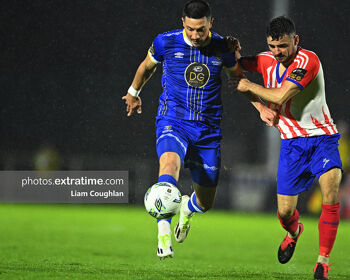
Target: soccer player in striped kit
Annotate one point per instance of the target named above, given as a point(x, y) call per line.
point(294, 87)
point(189, 112)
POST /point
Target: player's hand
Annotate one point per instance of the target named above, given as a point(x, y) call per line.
point(243, 85)
point(232, 44)
point(269, 116)
point(132, 104)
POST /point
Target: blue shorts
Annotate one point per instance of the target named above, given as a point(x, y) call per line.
point(197, 144)
point(304, 158)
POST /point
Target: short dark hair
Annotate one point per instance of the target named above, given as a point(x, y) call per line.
point(280, 26)
point(196, 9)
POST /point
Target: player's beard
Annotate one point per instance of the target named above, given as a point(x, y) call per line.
point(280, 58)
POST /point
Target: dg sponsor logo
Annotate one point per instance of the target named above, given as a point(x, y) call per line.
point(197, 74)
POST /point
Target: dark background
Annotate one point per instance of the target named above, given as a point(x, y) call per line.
point(66, 64)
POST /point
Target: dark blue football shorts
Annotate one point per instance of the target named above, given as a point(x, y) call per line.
point(197, 144)
point(304, 158)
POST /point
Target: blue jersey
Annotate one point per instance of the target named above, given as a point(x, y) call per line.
point(191, 76)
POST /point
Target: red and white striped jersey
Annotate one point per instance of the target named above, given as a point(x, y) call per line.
point(306, 114)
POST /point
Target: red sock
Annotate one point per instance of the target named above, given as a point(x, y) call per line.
point(291, 224)
point(327, 228)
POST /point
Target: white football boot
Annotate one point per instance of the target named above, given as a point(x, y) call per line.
point(165, 248)
point(183, 225)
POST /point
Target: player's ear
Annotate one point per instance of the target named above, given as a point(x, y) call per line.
point(211, 22)
point(296, 40)
point(183, 22)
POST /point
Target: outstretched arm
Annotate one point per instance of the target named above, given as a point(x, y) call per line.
point(143, 74)
point(274, 95)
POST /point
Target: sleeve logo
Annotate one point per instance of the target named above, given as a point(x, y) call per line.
point(297, 74)
point(197, 74)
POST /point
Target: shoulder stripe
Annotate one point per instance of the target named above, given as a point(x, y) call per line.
point(301, 61)
point(305, 57)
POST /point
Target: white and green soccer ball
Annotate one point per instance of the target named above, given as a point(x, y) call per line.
point(162, 200)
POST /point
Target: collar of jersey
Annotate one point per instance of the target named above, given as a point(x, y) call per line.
point(188, 42)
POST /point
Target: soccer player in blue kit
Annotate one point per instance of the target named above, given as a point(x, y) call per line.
point(189, 112)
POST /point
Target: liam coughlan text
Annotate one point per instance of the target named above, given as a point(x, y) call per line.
point(106, 194)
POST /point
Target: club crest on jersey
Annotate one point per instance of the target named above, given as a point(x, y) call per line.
point(297, 74)
point(197, 74)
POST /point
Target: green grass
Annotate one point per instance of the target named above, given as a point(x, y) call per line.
point(106, 242)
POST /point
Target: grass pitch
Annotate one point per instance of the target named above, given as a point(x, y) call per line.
point(106, 242)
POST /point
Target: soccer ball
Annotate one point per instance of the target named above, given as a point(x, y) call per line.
point(162, 200)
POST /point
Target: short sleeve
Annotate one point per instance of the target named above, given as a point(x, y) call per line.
point(156, 51)
point(304, 70)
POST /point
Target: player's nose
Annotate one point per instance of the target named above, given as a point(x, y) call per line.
point(277, 50)
point(195, 35)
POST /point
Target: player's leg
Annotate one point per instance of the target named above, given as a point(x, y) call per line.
point(169, 164)
point(327, 167)
point(201, 200)
point(169, 169)
point(293, 178)
point(203, 197)
point(171, 149)
point(289, 219)
point(204, 163)
point(329, 220)
point(287, 212)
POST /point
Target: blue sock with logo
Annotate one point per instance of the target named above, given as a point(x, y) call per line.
point(168, 179)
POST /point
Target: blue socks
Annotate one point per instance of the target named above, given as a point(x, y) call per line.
point(167, 178)
point(192, 204)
